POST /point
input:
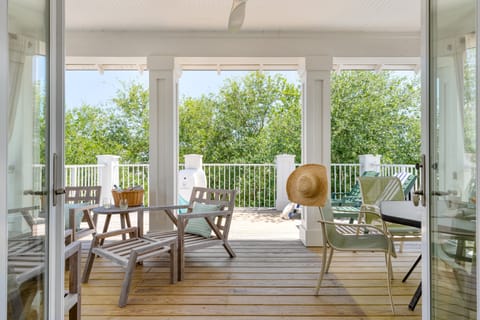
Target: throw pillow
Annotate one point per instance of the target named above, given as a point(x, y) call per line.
point(200, 226)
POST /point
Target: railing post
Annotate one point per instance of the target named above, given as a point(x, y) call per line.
point(369, 162)
point(192, 176)
point(285, 165)
point(107, 174)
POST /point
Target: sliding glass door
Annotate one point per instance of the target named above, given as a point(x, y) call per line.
point(33, 86)
point(452, 61)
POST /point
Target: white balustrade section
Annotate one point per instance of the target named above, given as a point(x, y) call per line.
point(82, 175)
point(256, 183)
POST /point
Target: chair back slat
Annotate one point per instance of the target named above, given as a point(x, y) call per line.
point(378, 189)
point(89, 194)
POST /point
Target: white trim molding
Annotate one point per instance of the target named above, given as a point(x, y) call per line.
point(3, 155)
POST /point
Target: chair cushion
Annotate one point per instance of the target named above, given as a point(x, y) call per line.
point(78, 215)
point(200, 226)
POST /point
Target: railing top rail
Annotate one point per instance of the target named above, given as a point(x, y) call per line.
point(84, 165)
point(238, 164)
point(133, 164)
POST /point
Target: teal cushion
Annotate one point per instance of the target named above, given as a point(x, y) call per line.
point(200, 226)
point(78, 215)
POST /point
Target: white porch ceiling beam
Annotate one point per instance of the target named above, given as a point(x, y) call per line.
point(244, 63)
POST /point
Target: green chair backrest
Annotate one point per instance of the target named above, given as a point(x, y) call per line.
point(407, 180)
point(377, 189)
point(355, 193)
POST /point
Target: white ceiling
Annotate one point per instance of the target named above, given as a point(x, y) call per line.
point(261, 15)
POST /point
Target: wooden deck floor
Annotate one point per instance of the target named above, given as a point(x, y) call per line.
point(269, 279)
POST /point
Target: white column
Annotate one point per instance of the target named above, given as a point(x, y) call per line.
point(316, 134)
point(285, 165)
point(108, 174)
point(163, 137)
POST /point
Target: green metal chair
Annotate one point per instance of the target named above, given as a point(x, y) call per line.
point(307, 185)
point(370, 239)
point(352, 198)
point(374, 190)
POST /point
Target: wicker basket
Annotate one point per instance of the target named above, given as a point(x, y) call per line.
point(134, 197)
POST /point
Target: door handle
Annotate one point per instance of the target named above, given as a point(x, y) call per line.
point(57, 191)
point(419, 195)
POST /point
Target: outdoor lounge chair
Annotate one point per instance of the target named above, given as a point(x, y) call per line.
point(205, 223)
point(307, 185)
point(130, 252)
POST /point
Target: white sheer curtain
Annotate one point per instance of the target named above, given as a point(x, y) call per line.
point(18, 49)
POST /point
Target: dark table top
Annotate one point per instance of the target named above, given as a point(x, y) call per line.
point(402, 212)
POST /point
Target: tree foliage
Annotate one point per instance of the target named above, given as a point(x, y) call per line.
point(250, 120)
point(375, 113)
point(256, 117)
point(120, 129)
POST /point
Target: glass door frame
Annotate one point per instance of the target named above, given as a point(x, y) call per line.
point(3, 152)
point(55, 267)
point(425, 129)
point(56, 234)
point(426, 148)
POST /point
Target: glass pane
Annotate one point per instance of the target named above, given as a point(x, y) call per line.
point(27, 141)
point(453, 158)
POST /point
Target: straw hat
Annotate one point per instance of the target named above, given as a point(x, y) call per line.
point(307, 185)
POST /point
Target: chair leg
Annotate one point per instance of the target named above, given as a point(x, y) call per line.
point(127, 280)
point(324, 268)
point(89, 262)
point(173, 263)
point(229, 249)
point(329, 260)
point(388, 262)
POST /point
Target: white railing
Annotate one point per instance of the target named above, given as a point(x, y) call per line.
point(256, 183)
point(344, 176)
point(82, 175)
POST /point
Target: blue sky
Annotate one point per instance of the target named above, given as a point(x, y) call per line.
point(97, 89)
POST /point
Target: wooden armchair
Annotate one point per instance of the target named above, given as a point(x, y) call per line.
point(203, 222)
point(79, 201)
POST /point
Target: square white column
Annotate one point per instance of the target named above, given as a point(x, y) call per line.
point(315, 135)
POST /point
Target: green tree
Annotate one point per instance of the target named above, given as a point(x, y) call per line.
point(120, 129)
point(375, 113)
point(196, 124)
point(250, 120)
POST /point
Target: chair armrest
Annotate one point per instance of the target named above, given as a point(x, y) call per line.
point(186, 216)
point(72, 248)
point(172, 207)
point(358, 225)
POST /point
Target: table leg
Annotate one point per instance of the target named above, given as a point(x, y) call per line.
point(122, 224)
point(129, 224)
point(411, 269)
point(105, 226)
point(415, 298)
